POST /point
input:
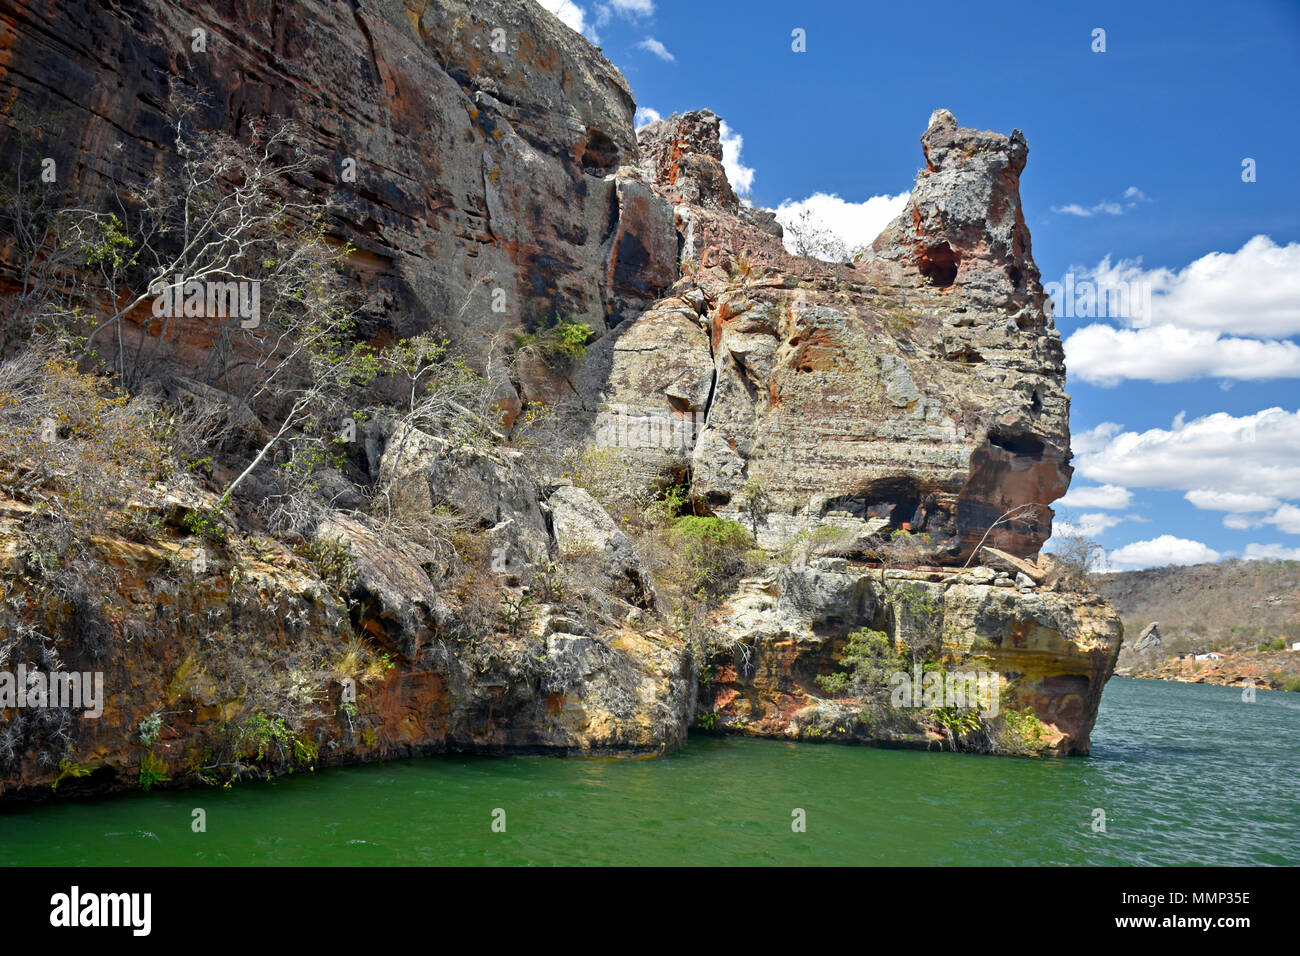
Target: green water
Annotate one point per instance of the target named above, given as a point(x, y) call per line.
point(1186, 774)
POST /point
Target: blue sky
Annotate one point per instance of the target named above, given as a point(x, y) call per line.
point(1135, 176)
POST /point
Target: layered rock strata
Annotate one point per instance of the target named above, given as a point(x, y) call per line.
point(918, 388)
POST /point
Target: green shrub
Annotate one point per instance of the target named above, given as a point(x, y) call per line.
point(564, 340)
point(266, 733)
point(710, 552)
point(1285, 682)
point(1025, 723)
point(152, 770)
point(69, 769)
point(305, 752)
point(957, 722)
point(205, 523)
point(668, 506)
point(869, 660)
point(715, 531)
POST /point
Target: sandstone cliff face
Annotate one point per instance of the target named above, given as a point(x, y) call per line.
point(484, 160)
point(918, 389)
point(1052, 653)
point(251, 633)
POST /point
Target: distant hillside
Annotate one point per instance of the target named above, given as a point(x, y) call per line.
point(1231, 605)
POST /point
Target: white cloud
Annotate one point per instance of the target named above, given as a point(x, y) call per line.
point(1132, 196)
point(1097, 496)
point(1160, 551)
point(1259, 552)
point(1254, 291)
point(1234, 501)
point(633, 8)
point(1240, 522)
point(1286, 518)
point(1074, 209)
point(1104, 355)
point(1090, 525)
point(645, 116)
point(657, 48)
point(1094, 439)
point(1226, 315)
point(739, 175)
point(572, 16)
point(1252, 454)
point(854, 223)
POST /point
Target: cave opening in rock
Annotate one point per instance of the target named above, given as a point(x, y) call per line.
point(938, 265)
point(600, 154)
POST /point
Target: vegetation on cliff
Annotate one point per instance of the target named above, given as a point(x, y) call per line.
point(301, 502)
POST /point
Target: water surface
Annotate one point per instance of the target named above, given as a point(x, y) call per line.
point(1186, 774)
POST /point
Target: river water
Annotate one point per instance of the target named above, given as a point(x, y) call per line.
point(1185, 774)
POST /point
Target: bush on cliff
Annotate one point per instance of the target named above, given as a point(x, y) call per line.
point(563, 341)
point(868, 661)
point(713, 551)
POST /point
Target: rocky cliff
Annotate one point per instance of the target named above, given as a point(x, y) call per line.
point(480, 161)
point(918, 389)
point(458, 160)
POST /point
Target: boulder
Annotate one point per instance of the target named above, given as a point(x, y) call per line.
point(582, 527)
point(1013, 565)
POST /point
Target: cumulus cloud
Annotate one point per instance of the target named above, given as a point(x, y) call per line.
point(1240, 522)
point(1276, 552)
point(1094, 439)
point(635, 10)
point(1254, 291)
point(854, 224)
point(739, 175)
point(1161, 551)
point(572, 16)
point(1104, 355)
point(1227, 315)
point(1235, 501)
point(645, 116)
point(657, 48)
point(1255, 454)
point(1090, 525)
point(1097, 496)
point(1286, 518)
point(1247, 509)
point(632, 8)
